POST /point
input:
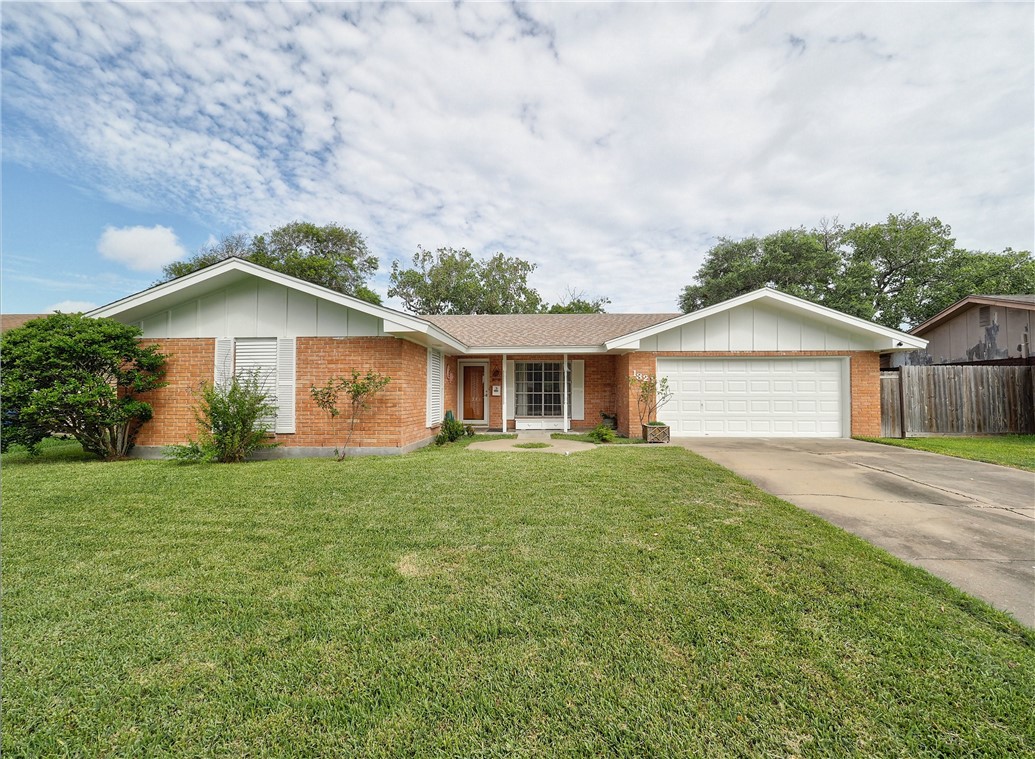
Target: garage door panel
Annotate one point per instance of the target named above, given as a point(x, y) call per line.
point(754, 397)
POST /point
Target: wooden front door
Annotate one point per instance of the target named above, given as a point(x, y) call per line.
point(473, 390)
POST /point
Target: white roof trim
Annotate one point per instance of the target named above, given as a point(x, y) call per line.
point(908, 342)
point(528, 350)
point(397, 319)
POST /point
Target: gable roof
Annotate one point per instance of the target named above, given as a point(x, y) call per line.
point(896, 340)
point(231, 270)
point(10, 321)
point(512, 331)
point(484, 333)
point(1026, 302)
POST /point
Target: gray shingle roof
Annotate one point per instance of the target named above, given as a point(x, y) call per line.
point(543, 330)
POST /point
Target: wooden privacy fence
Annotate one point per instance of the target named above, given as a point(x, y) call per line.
point(919, 401)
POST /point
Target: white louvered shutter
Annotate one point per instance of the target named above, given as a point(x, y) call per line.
point(434, 403)
point(257, 357)
point(511, 392)
point(224, 368)
point(285, 384)
point(578, 390)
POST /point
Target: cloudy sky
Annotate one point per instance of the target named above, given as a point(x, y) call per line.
point(610, 144)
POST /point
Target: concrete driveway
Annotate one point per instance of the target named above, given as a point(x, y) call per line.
point(971, 524)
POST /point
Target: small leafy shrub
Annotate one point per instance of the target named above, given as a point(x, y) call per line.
point(602, 434)
point(233, 422)
point(452, 430)
point(469, 431)
point(358, 389)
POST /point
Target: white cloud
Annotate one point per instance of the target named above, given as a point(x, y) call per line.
point(71, 306)
point(610, 144)
point(141, 248)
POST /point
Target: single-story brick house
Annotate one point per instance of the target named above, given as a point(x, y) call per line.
point(762, 364)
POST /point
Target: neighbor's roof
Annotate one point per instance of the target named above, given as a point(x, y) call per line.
point(543, 330)
point(10, 321)
point(1024, 301)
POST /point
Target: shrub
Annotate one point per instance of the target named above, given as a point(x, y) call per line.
point(359, 389)
point(452, 429)
point(67, 374)
point(651, 394)
point(233, 421)
point(602, 434)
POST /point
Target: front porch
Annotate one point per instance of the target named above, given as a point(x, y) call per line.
point(549, 392)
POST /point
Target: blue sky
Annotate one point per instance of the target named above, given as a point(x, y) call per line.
point(609, 144)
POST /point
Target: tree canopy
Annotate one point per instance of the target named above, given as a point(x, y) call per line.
point(897, 273)
point(69, 374)
point(577, 302)
point(452, 281)
point(330, 255)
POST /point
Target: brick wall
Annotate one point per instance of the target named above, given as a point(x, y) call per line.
point(396, 416)
point(190, 362)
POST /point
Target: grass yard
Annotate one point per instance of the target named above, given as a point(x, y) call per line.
point(1017, 451)
point(633, 601)
point(584, 437)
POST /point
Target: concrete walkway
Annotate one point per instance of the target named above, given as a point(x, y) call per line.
point(532, 436)
point(970, 523)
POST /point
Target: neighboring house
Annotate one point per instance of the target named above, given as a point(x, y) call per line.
point(10, 321)
point(762, 364)
point(979, 329)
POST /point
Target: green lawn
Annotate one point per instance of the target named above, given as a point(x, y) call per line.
point(632, 601)
point(583, 437)
point(1017, 451)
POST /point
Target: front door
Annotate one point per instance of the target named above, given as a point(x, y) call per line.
point(472, 393)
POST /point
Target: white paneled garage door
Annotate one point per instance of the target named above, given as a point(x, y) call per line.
point(755, 397)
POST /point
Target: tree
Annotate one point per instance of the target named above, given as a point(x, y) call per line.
point(794, 260)
point(69, 374)
point(231, 246)
point(898, 272)
point(452, 281)
point(330, 255)
point(576, 302)
point(888, 268)
point(359, 389)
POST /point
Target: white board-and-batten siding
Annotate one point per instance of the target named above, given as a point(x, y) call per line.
point(260, 309)
point(752, 327)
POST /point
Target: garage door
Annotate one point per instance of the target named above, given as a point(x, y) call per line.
point(754, 397)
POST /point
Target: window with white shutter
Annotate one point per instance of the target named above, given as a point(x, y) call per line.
point(272, 362)
point(434, 406)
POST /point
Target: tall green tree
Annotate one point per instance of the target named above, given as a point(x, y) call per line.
point(899, 272)
point(331, 255)
point(72, 375)
point(452, 281)
point(890, 268)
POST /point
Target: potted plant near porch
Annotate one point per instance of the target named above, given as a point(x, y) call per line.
point(651, 395)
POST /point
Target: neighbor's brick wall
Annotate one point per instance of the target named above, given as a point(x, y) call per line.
point(864, 381)
point(190, 362)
